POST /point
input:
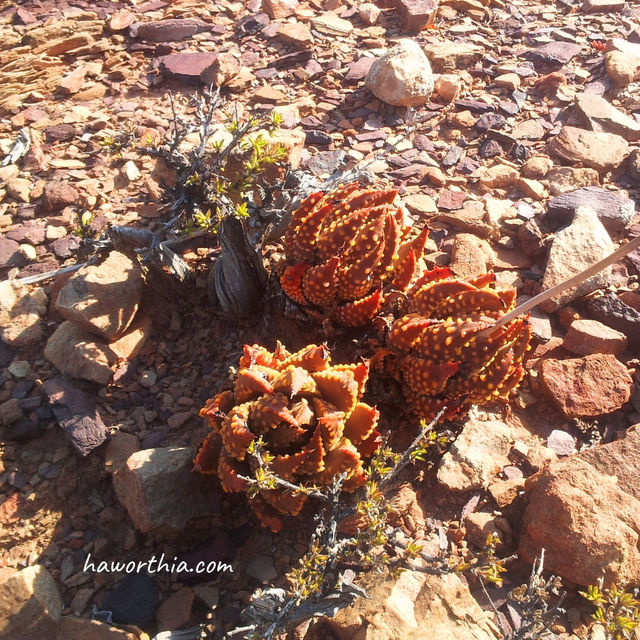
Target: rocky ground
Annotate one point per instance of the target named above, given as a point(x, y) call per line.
point(520, 151)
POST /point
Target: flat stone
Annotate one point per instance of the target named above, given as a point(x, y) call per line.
point(623, 68)
point(261, 568)
point(172, 30)
point(73, 628)
point(614, 209)
point(76, 414)
point(585, 337)
point(279, 9)
point(561, 442)
point(415, 606)
point(602, 6)
point(296, 33)
point(529, 130)
point(555, 53)
point(359, 69)
point(332, 25)
point(186, 66)
point(326, 162)
point(103, 298)
point(158, 490)
point(119, 449)
point(78, 353)
point(30, 604)
point(452, 56)
point(420, 203)
point(599, 150)
point(129, 344)
point(587, 387)
point(583, 243)
point(601, 115)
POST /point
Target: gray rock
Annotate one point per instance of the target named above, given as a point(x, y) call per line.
point(172, 30)
point(402, 76)
point(561, 442)
point(614, 210)
point(159, 490)
point(76, 414)
point(583, 243)
point(613, 312)
point(261, 568)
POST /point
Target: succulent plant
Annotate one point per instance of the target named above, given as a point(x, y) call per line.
point(443, 350)
point(345, 249)
point(293, 416)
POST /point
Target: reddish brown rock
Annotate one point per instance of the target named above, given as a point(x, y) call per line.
point(278, 9)
point(590, 336)
point(186, 66)
point(598, 150)
point(586, 387)
point(587, 520)
point(58, 195)
point(416, 14)
point(175, 612)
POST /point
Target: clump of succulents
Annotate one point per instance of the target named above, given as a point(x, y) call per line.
point(445, 351)
point(289, 426)
point(346, 249)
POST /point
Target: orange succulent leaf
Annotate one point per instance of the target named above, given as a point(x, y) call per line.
point(360, 312)
point(206, 460)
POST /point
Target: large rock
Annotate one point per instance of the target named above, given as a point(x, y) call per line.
point(598, 150)
point(477, 455)
point(30, 604)
point(187, 66)
point(601, 115)
point(76, 414)
point(415, 606)
point(614, 210)
point(104, 298)
point(159, 490)
point(78, 353)
point(586, 387)
point(586, 519)
point(20, 312)
point(402, 76)
point(57, 195)
point(583, 243)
